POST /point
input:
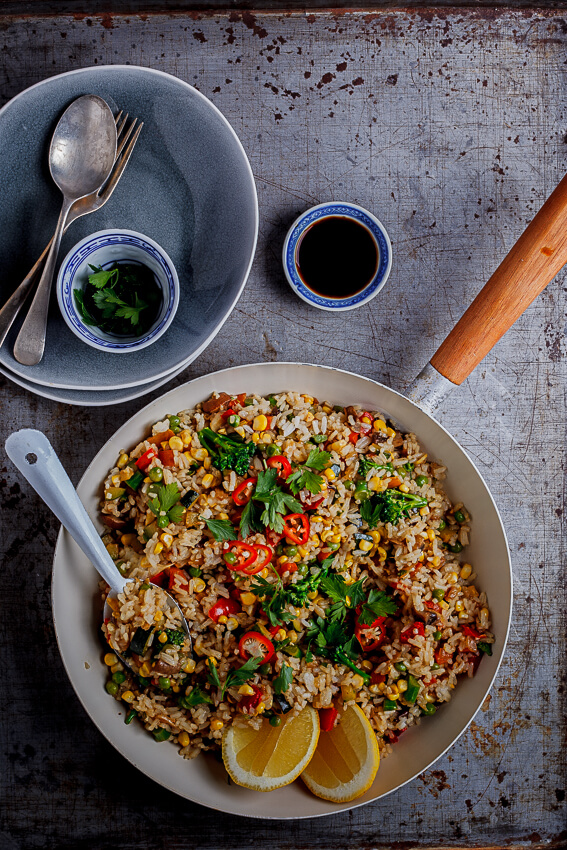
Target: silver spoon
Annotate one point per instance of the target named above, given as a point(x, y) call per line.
point(81, 156)
point(32, 453)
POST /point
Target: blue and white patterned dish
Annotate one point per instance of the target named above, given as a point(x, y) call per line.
point(103, 249)
point(345, 210)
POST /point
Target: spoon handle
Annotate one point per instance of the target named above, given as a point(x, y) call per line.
point(30, 342)
point(32, 453)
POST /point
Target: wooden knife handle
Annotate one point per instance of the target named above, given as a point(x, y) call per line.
point(535, 259)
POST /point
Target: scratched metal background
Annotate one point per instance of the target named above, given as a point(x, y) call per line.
point(451, 127)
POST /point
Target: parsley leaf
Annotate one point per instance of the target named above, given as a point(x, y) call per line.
point(276, 502)
point(100, 278)
point(213, 676)
point(196, 697)
point(378, 604)
point(80, 304)
point(342, 595)
point(332, 642)
point(235, 678)
point(221, 529)
point(276, 598)
point(250, 520)
point(304, 478)
point(318, 459)
point(164, 500)
point(283, 681)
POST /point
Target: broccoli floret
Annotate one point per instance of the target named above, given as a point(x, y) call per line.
point(365, 465)
point(227, 452)
point(390, 506)
point(175, 637)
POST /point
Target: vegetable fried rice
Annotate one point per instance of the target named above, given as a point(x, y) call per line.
point(316, 559)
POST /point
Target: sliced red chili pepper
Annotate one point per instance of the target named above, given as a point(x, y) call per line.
point(282, 464)
point(412, 631)
point(227, 413)
point(160, 438)
point(273, 630)
point(296, 528)
point(250, 702)
point(178, 579)
point(369, 635)
point(238, 555)
point(254, 645)
point(377, 678)
point(353, 437)
point(223, 608)
point(273, 537)
point(167, 457)
point(265, 555)
point(466, 630)
point(310, 504)
point(144, 460)
point(243, 493)
point(158, 579)
point(287, 567)
point(327, 717)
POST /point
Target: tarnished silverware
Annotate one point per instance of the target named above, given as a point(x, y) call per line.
point(128, 134)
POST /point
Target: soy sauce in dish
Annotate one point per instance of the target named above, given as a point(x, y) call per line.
point(336, 257)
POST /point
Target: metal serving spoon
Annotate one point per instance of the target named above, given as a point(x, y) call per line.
point(32, 453)
point(81, 156)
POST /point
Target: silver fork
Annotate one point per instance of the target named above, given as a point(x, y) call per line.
point(127, 138)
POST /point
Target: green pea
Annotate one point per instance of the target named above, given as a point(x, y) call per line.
point(161, 734)
point(338, 409)
point(318, 438)
point(272, 401)
point(456, 548)
point(163, 521)
point(302, 569)
point(112, 688)
point(291, 551)
point(429, 709)
point(155, 473)
point(437, 635)
point(195, 572)
point(248, 402)
point(460, 517)
point(272, 450)
point(348, 484)
point(130, 716)
point(435, 666)
point(230, 558)
point(400, 667)
point(421, 480)
point(265, 669)
point(118, 677)
point(275, 721)
point(438, 593)
point(442, 524)
point(280, 548)
point(144, 683)
point(164, 683)
point(144, 586)
point(234, 420)
point(174, 423)
point(332, 547)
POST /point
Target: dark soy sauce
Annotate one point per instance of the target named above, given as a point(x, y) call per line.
point(336, 257)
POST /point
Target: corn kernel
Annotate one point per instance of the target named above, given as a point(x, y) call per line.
point(335, 538)
point(336, 446)
point(472, 590)
point(313, 596)
point(375, 535)
point(459, 605)
point(162, 638)
point(349, 561)
point(199, 454)
point(375, 689)
point(436, 561)
point(348, 579)
point(291, 636)
point(260, 423)
point(393, 696)
point(324, 485)
point(379, 425)
point(158, 616)
point(128, 696)
point(128, 539)
point(308, 399)
point(255, 438)
point(208, 480)
point(452, 578)
point(357, 681)
point(212, 661)
point(365, 545)
point(366, 419)
point(190, 666)
point(283, 559)
point(166, 538)
point(264, 573)
point(423, 511)
point(216, 725)
point(303, 552)
point(183, 739)
point(240, 431)
point(431, 534)
point(329, 474)
point(223, 619)
point(309, 416)
point(390, 432)
point(377, 484)
point(246, 690)
point(122, 460)
point(403, 488)
point(176, 443)
point(315, 539)
point(110, 658)
point(366, 665)
point(402, 685)
point(115, 480)
point(248, 598)
point(348, 692)
point(393, 689)
point(466, 571)
point(232, 624)
point(198, 585)
point(325, 534)
point(207, 463)
point(145, 670)
point(158, 548)
point(185, 436)
point(297, 625)
point(261, 708)
point(222, 431)
point(327, 409)
point(444, 604)
point(267, 438)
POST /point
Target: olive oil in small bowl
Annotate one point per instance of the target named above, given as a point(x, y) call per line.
point(337, 256)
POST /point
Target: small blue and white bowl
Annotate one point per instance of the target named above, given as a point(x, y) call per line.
point(103, 249)
point(342, 209)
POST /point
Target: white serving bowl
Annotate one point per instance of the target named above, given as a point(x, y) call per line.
point(103, 249)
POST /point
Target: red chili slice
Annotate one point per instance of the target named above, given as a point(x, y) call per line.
point(296, 528)
point(254, 645)
point(369, 635)
point(310, 504)
point(265, 555)
point(243, 493)
point(250, 702)
point(239, 556)
point(353, 437)
point(223, 608)
point(281, 464)
point(327, 717)
point(227, 413)
point(466, 630)
point(273, 537)
point(178, 580)
point(144, 460)
point(412, 631)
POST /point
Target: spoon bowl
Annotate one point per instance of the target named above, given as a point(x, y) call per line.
point(32, 453)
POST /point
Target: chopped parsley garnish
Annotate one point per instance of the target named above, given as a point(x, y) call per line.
point(331, 640)
point(195, 697)
point(283, 680)
point(390, 506)
point(276, 598)
point(342, 595)
point(234, 678)
point(366, 464)
point(221, 529)
point(123, 300)
point(276, 505)
point(305, 478)
point(378, 604)
point(164, 501)
point(175, 636)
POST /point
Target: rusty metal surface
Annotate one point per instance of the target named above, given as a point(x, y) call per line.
point(451, 128)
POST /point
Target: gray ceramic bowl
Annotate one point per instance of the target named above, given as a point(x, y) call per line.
point(188, 186)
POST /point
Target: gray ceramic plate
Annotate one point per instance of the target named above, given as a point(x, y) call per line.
point(188, 185)
point(90, 398)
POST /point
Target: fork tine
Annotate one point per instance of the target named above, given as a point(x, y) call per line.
point(120, 123)
point(118, 116)
point(119, 167)
point(125, 137)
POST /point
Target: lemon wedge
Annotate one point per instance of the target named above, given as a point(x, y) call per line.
point(346, 759)
point(272, 756)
